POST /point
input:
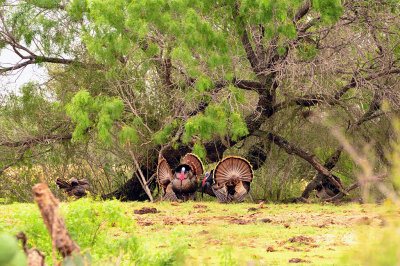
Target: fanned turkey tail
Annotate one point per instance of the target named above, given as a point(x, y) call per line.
point(164, 178)
point(194, 162)
point(234, 172)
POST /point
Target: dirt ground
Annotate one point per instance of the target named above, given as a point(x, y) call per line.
point(259, 233)
point(256, 215)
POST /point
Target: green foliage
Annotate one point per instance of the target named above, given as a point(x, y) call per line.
point(274, 185)
point(281, 50)
point(376, 248)
point(30, 107)
point(204, 84)
point(238, 126)
point(216, 121)
point(395, 158)
point(237, 94)
point(82, 104)
point(164, 135)
point(8, 248)
point(288, 30)
point(213, 122)
point(226, 257)
point(45, 3)
point(307, 51)
point(128, 135)
point(199, 150)
point(111, 110)
point(93, 226)
point(77, 9)
point(40, 20)
point(330, 10)
point(101, 112)
point(77, 259)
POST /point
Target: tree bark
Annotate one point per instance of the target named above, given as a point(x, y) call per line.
point(132, 189)
point(48, 206)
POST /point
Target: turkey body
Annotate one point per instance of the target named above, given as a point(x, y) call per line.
point(74, 187)
point(183, 182)
point(230, 180)
point(185, 189)
point(326, 189)
point(206, 186)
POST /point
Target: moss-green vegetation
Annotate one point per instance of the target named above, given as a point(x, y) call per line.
point(205, 233)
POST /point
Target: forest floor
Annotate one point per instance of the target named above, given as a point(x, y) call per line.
point(259, 233)
point(212, 233)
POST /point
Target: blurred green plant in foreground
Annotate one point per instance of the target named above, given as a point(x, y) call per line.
point(381, 246)
point(94, 226)
point(10, 252)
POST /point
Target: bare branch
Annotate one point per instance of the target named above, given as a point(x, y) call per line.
point(301, 12)
point(36, 140)
point(310, 158)
point(353, 82)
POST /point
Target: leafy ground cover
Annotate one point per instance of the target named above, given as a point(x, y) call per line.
point(205, 233)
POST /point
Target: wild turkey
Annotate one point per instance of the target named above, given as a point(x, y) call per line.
point(326, 189)
point(230, 180)
point(183, 182)
point(74, 187)
point(206, 185)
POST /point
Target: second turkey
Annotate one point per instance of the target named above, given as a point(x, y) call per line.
point(229, 180)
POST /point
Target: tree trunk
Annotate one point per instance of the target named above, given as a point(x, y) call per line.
point(132, 190)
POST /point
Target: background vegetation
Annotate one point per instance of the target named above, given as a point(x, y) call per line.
point(277, 82)
point(302, 89)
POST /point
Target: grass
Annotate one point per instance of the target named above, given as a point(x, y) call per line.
point(201, 233)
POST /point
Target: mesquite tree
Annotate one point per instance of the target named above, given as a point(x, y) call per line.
point(151, 78)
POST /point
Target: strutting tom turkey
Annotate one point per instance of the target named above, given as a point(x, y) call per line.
point(183, 182)
point(230, 180)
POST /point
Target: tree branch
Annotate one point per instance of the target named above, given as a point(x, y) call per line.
point(301, 12)
point(313, 99)
point(248, 85)
point(329, 164)
point(306, 101)
point(41, 59)
point(353, 81)
point(35, 140)
point(310, 158)
point(19, 158)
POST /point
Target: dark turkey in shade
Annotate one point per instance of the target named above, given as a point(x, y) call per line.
point(326, 189)
point(206, 185)
point(74, 187)
point(183, 182)
point(230, 180)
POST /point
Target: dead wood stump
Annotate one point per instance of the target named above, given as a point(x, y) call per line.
point(48, 205)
